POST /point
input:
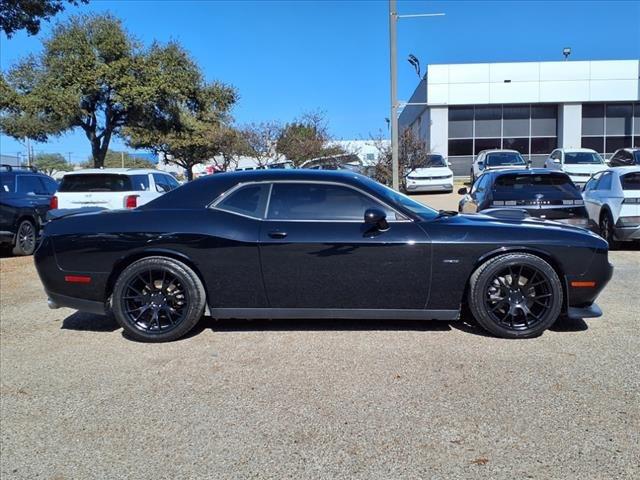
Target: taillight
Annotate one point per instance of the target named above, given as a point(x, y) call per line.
point(631, 200)
point(131, 201)
point(53, 203)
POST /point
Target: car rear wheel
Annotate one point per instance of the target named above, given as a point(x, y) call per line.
point(515, 295)
point(25, 238)
point(158, 299)
point(606, 228)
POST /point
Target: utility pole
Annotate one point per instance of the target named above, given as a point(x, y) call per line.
point(122, 158)
point(393, 58)
point(69, 156)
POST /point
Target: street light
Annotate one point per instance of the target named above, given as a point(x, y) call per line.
point(393, 56)
point(566, 52)
point(413, 60)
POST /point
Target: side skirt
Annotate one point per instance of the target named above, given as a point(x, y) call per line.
point(337, 313)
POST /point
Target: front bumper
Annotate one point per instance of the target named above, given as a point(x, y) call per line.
point(417, 186)
point(592, 311)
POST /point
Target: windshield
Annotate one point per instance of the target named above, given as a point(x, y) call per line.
point(582, 158)
point(536, 183)
point(397, 197)
point(435, 161)
point(504, 158)
point(630, 181)
point(95, 182)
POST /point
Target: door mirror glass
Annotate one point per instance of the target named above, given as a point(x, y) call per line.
point(556, 160)
point(375, 216)
point(481, 165)
point(463, 191)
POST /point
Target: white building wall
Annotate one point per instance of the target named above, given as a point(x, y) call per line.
point(439, 131)
point(569, 125)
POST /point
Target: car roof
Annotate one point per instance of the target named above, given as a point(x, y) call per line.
point(498, 150)
point(121, 171)
point(623, 170)
point(586, 150)
point(242, 176)
point(526, 171)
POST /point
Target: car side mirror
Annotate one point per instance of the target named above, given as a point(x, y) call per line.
point(481, 165)
point(377, 218)
point(556, 160)
point(463, 191)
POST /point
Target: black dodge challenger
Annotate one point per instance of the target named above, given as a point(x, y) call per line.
point(316, 244)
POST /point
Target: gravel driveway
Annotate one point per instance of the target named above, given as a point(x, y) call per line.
point(317, 399)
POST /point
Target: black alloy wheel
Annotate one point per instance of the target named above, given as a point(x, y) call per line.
point(158, 299)
point(606, 228)
point(515, 295)
point(25, 238)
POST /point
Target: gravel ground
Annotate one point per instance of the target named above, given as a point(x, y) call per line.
point(317, 399)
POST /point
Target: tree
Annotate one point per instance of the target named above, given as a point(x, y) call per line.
point(259, 141)
point(27, 14)
point(412, 153)
point(306, 138)
point(114, 159)
point(50, 163)
point(229, 145)
point(93, 75)
point(193, 137)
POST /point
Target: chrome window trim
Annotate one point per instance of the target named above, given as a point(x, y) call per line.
point(214, 204)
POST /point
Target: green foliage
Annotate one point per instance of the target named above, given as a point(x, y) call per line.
point(114, 159)
point(305, 139)
point(50, 163)
point(95, 76)
point(27, 14)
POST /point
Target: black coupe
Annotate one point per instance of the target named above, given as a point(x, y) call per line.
point(315, 244)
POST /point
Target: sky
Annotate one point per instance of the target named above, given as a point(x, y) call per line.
point(287, 58)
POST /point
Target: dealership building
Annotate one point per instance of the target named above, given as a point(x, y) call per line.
point(532, 107)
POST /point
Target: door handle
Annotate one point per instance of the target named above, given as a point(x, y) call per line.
point(277, 234)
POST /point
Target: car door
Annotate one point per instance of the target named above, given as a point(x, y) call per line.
point(598, 194)
point(317, 252)
point(37, 193)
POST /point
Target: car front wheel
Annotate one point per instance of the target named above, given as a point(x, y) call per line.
point(516, 295)
point(158, 299)
point(25, 238)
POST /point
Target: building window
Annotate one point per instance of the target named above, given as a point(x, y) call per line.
point(515, 121)
point(608, 127)
point(461, 147)
point(488, 122)
point(519, 144)
point(543, 146)
point(460, 122)
point(544, 121)
point(485, 144)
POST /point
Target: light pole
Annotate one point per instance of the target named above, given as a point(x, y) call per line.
point(393, 60)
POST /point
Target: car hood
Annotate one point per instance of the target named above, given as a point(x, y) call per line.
point(590, 169)
point(430, 172)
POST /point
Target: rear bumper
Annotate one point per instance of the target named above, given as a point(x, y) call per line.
point(626, 233)
point(56, 301)
point(7, 237)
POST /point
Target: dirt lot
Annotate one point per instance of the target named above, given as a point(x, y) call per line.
point(318, 399)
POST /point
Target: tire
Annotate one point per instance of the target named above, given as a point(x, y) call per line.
point(158, 299)
point(26, 237)
point(606, 228)
point(499, 305)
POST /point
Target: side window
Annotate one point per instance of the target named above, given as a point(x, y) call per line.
point(172, 182)
point(50, 184)
point(605, 182)
point(554, 155)
point(250, 200)
point(590, 185)
point(479, 185)
point(140, 182)
point(161, 184)
point(30, 184)
point(627, 157)
point(314, 201)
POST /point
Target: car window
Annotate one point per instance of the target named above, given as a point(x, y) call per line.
point(30, 184)
point(504, 158)
point(95, 182)
point(315, 201)
point(605, 182)
point(630, 181)
point(249, 200)
point(582, 158)
point(8, 182)
point(480, 185)
point(140, 182)
point(636, 157)
point(162, 183)
point(50, 185)
point(547, 182)
point(593, 181)
point(172, 182)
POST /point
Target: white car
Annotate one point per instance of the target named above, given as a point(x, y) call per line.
point(579, 163)
point(111, 188)
point(497, 159)
point(434, 176)
point(612, 200)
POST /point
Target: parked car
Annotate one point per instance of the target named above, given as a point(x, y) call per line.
point(625, 157)
point(497, 159)
point(315, 244)
point(25, 195)
point(578, 163)
point(433, 176)
point(112, 188)
point(612, 199)
point(541, 193)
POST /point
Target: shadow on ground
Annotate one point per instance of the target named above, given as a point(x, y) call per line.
point(90, 322)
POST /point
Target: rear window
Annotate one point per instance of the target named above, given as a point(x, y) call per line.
point(8, 183)
point(535, 183)
point(96, 182)
point(504, 158)
point(630, 181)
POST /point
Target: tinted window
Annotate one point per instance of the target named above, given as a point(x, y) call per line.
point(30, 184)
point(630, 181)
point(95, 182)
point(605, 182)
point(249, 200)
point(535, 183)
point(140, 182)
point(8, 183)
point(435, 161)
point(636, 157)
point(50, 184)
point(582, 158)
point(309, 201)
point(161, 183)
point(504, 158)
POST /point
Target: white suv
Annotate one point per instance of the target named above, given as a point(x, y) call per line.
point(579, 163)
point(111, 188)
point(433, 176)
point(495, 160)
